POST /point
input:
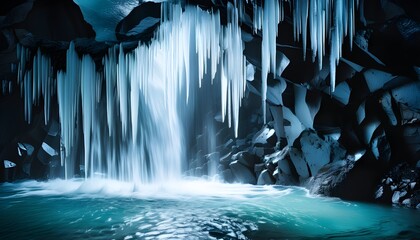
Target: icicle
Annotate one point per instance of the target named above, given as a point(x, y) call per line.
point(271, 19)
point(88, 80)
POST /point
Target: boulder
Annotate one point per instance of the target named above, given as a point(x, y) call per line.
point(258, 168)
point(265, 178)
point(265, 137)
point(299, 163)
point(242, 174)
point(315, 150)
point(329, 176)
point(140, 23)
point(247, 159)
point(228, 176)
point(56, 21)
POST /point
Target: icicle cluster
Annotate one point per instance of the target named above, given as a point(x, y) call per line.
point(35, 82)
point(125, 129)
point(143, 92)
point(327, 21)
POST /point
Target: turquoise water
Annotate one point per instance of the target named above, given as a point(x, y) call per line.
point(99, 209)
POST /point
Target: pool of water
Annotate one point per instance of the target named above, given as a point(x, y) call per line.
point(190, 209)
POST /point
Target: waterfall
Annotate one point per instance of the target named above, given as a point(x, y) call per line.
point(133, 130)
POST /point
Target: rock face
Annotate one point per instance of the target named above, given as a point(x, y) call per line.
point(140, 23)
point(48, 19)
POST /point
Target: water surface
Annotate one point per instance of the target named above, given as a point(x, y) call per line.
point(190, 209)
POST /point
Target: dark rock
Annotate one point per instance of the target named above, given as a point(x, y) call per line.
point(228, 176)
point(299, 163)
point(360, 182)
point(56, 21)
point(17, 11)
point(141, 23)
point(258, 168)
point(315, 150)
point(265, 137)
point(247, 159)
point(226, 159)
point(380, 148)
point(329, 176)
point(265, 178)
point(242, 174)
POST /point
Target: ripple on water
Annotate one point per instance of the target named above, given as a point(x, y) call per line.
point(189, 210)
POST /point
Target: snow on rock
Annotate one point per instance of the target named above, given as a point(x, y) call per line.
point(9, 164)
point(263, 136)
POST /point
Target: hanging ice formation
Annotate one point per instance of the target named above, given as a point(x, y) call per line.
point(327, 21)
point(144, 88)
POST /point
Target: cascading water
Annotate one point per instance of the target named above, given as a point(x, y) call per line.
point(133, 131)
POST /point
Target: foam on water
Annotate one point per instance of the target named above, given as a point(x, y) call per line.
point(193, 209)
point(186, 188)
